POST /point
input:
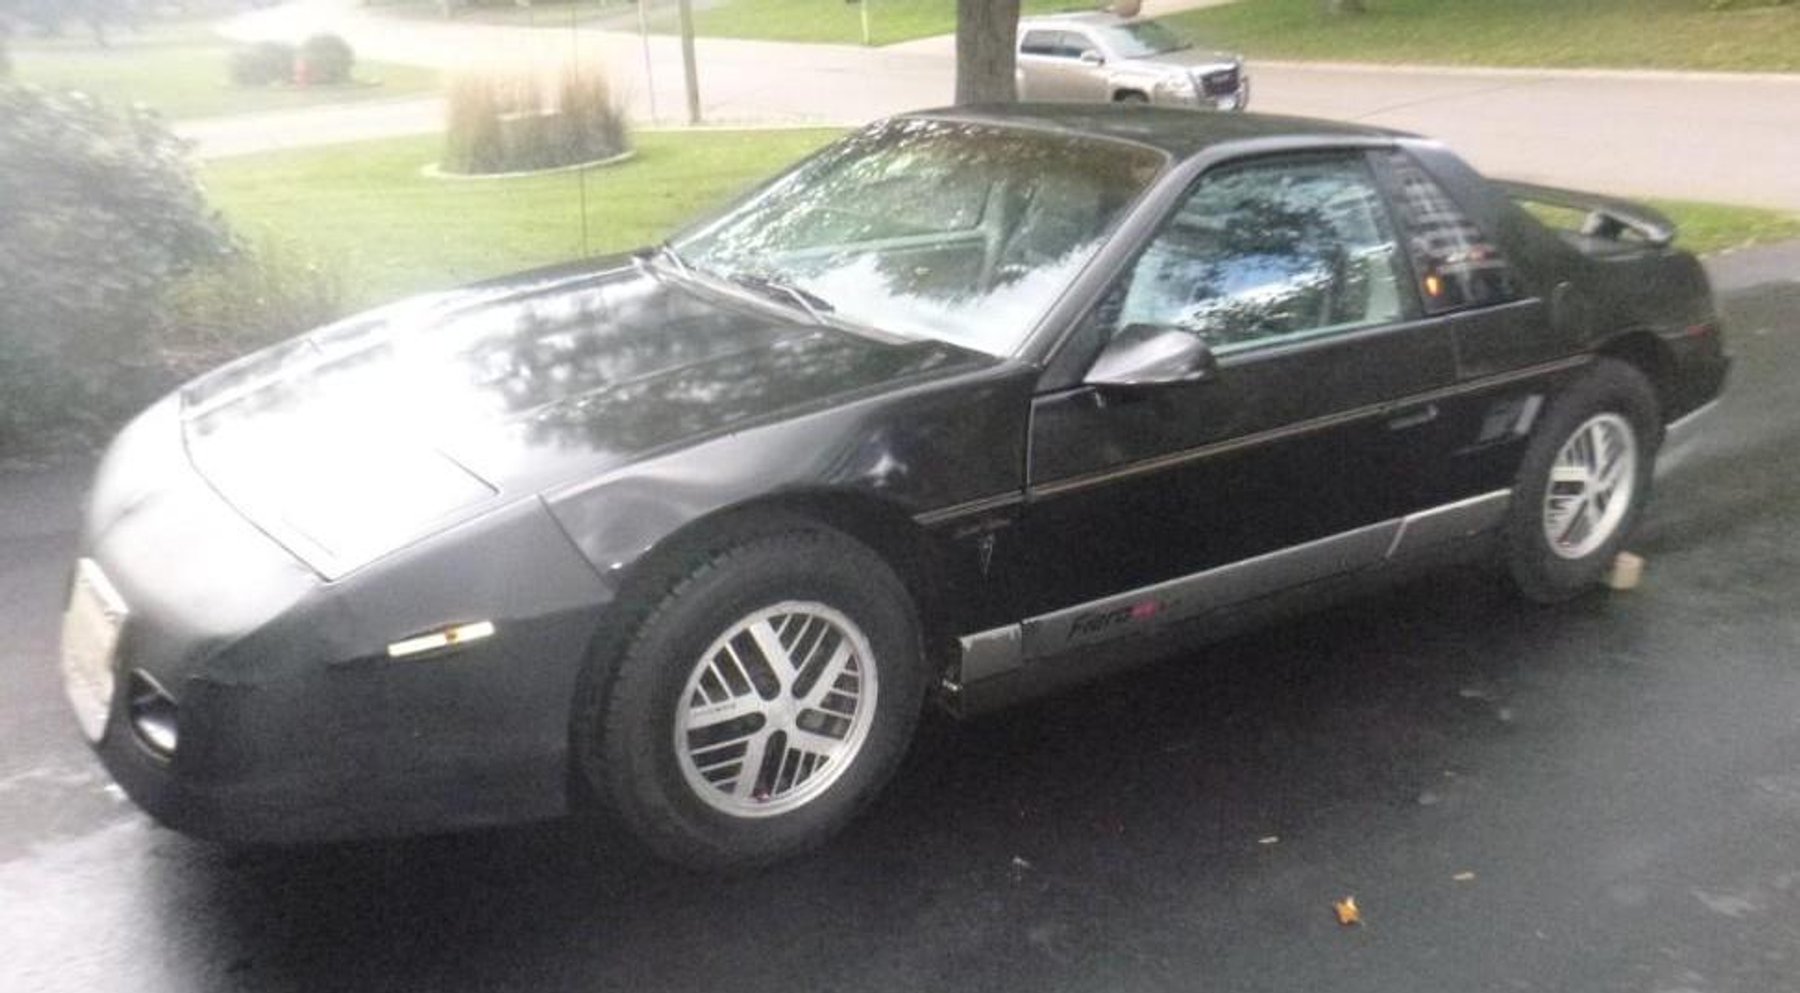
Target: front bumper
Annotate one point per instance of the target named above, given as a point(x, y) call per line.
point(289, 720)
point(1233, 101)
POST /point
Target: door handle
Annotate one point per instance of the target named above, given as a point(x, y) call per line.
point(1416, 417)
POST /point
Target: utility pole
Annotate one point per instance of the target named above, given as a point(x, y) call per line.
point(687, 60)
point(649, 72)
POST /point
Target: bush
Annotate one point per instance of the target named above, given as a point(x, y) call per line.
point(99, 214)
point(324, 59)
point(504, 123)
point(254, 297)
point(263, 64)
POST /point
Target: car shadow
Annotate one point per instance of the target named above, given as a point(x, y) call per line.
point(1114, 798)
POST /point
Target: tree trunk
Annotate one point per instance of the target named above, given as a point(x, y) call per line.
point(985, 33)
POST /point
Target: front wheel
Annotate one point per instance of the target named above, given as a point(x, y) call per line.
point(1583, 483)
point(761, 703)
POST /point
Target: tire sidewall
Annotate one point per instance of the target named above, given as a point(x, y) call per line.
point(1610, 386)
point(636, 758)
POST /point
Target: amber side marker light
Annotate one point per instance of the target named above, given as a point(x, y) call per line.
point(451, 637)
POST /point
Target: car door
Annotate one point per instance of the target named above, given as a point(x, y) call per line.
point(1050, 66)
point(1294, 458)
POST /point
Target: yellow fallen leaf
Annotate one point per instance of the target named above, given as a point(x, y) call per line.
point(1347, 913)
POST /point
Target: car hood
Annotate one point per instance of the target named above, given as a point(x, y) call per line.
point(1188, 59)
point(353, 440)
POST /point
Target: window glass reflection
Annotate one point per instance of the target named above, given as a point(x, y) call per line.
point(949, 230)
point(1273, 251)
point(1459, 266)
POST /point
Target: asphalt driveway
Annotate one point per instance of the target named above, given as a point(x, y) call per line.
point(1604, 796)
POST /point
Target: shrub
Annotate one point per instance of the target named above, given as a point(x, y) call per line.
point(99, 213)
point(504, 123)
point(263, 64)
point(325, 59)
point(256, 296)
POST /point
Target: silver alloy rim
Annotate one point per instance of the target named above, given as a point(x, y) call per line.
point(776, 709)
point(1592, 484)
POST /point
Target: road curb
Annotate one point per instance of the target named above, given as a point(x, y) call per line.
point(1759, 265)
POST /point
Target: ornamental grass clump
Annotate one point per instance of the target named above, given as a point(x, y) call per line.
point(516, 122)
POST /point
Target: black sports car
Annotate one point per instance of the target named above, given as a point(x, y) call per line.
point(972, 404)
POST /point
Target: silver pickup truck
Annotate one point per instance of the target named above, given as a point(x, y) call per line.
point(1102, 57)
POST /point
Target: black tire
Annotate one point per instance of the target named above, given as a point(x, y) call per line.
point(628, 744)
point(1131, 97)
point(1612, 396)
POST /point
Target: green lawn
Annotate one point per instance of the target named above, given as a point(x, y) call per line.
point(890, 21)
point(1661, 34)
point(366, 211)
point(1709, 227)
point(179, 67)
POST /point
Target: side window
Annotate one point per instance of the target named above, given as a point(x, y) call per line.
point(1074, 43)
point(1458, 265)
point(1040, 43)
point(1267, 252)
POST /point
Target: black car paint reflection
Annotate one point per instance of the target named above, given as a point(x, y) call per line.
point(522, 453)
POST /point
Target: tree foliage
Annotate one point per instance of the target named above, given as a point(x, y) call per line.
point(99, 214)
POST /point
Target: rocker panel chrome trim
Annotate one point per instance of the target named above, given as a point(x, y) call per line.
point(990, 653)
point(997, 651)
point(1451, 522)
point(1150, 608)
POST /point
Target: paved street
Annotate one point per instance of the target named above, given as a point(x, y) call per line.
point(1731, 139)
point(1599, 797)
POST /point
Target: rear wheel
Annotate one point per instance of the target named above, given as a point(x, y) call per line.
point(1130, 96)
point(761, 703)
point(1583, 484)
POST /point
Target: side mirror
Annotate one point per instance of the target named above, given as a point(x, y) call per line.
point(1152, 355)
point(1092, 58)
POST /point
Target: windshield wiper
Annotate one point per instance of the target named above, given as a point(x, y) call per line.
point(666, 253)
point(815, 306)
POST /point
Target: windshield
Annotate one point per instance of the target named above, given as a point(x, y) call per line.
point(960, 232)
point(1142, 39)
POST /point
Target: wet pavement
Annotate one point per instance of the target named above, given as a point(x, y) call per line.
point(1603, 796)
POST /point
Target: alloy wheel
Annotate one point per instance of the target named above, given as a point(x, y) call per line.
point(1592, 484)
point(776, 709)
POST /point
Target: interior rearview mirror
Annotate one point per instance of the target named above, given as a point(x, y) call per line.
point(1152, 355)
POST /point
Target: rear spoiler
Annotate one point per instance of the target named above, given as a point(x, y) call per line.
point(1607, 217)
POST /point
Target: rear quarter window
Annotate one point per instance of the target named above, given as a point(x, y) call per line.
point(1457, 264)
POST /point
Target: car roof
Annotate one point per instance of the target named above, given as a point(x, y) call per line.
point(1179, 132)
